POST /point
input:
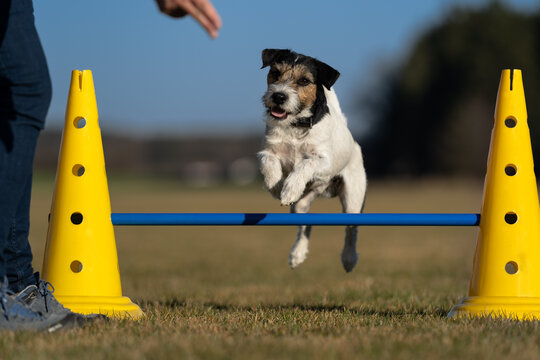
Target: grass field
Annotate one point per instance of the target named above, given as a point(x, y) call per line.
point(227, 292)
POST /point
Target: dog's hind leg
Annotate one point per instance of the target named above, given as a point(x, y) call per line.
point(349, 257)
point(352, 196)
point(299, 250)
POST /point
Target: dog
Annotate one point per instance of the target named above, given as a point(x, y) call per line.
point(308, 148)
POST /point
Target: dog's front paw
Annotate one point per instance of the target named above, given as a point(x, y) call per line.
point(272, 180)
point(349, 258)
point(292, 191)
point(298, 255)
point(270, 168)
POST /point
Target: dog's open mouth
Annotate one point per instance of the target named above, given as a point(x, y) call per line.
point(278, 113)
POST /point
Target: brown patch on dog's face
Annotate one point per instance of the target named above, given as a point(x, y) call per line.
point(298, 77)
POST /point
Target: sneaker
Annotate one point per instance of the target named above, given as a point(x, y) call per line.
point(39, 298)
point(16, 315)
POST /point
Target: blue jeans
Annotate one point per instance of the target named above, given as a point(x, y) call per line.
point(25, 95)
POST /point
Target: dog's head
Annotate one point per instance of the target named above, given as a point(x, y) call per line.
point(295, 94)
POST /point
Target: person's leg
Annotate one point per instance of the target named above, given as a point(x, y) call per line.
point(25, 93)
point(17, 252)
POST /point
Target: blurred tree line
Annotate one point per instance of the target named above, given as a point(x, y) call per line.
point(433, 113)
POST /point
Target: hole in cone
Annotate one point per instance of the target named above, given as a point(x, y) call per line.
point(78, 170)
point(76, 218)
point(76, 266)
point(510, 170)
point(79, 122)
point(510, 122)
point(511, 218)
point(511, 267)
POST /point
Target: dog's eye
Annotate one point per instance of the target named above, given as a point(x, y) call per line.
point(303, 82)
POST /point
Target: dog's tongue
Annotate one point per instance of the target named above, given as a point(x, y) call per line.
point(279, 113)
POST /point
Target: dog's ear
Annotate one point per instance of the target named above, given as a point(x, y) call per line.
point(269, 56)
point(326, 74)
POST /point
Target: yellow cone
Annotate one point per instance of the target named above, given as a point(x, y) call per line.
point(80, 256)
point(506, 269)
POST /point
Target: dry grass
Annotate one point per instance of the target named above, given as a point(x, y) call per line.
point(227, 292)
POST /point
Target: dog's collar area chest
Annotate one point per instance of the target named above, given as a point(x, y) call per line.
point(304, 123)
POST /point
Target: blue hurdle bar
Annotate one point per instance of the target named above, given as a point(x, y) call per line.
point(209, 219)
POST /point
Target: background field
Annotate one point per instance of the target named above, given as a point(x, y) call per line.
point(227, 292)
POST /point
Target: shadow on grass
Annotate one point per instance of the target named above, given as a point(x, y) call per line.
point(363, 310)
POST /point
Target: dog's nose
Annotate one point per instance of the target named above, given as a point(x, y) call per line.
point(279, 98)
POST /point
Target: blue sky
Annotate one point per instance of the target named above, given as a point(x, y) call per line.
point(155, 75)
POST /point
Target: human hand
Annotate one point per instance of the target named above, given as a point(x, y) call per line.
point(201, 10)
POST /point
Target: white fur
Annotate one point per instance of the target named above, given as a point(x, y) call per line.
point(294, 156)
point(293, 102)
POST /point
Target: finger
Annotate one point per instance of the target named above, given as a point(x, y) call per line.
point(209, 11)
point(201, 18)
